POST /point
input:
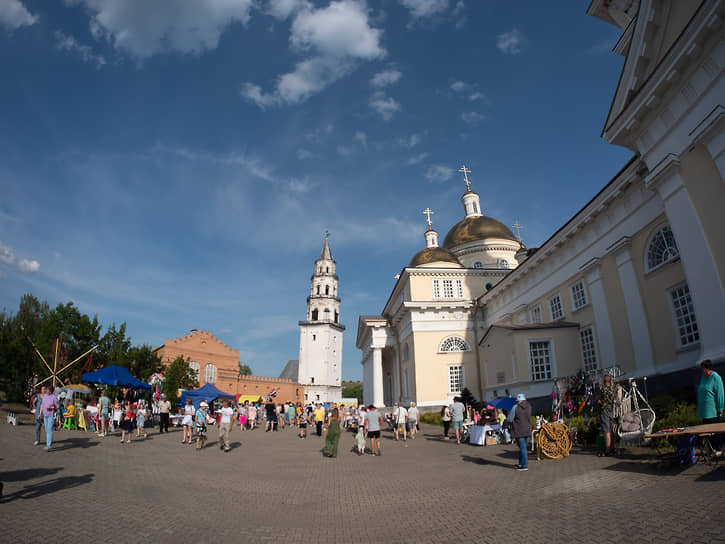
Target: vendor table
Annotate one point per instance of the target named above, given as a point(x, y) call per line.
point(478, 433)
point(175, 419)
point(703, 432)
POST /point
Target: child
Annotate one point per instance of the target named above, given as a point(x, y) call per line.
point(140, 420)
point(127, 424)
point(360, 439)
point(200, 422)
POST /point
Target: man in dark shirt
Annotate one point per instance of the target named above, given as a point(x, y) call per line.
point(606, 399)
point(271, 414)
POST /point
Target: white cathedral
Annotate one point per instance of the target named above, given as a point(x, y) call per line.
point(320, 359)
point(635, 279)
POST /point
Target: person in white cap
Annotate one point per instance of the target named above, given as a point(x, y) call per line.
point(225, 425)
point(520, 419)
point(200, 424)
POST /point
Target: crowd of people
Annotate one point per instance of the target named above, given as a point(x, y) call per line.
point(132, 414)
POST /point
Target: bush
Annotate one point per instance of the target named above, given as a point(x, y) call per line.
point(586, 427)
point(683, 414)
point(431, 418)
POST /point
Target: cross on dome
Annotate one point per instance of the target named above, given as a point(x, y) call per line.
point(428, 212)
point(465, 172)
point(518, 228)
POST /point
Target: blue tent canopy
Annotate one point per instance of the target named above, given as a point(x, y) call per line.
point(207, 392)
point(503, 403)
point(115, 375)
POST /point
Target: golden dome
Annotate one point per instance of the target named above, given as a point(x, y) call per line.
point(433, 255)
point(476, 228)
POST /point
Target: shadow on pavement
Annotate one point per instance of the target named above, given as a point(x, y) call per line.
point(51, 486)
point(27, 474)
point(716, 475)
point(660, 469)
point(484, 462)
point(235, 445)
point(82, 442)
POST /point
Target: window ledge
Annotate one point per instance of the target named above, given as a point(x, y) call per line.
point(579, 308)
point(660, 266)
point(688, 347)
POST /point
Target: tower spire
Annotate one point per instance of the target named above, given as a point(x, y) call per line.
point(471, 201)
point(326, 253)
point(431, 236)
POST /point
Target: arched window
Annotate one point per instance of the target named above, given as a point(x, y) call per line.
point(314, 314)
point(193, 365)
point(661, 248)
point(453, 344)
point(337, 316)
point(327, 289)
point(503, 263)
point(327, 314)
point(327, 269)
point(405, 352)
point(488, 286)
point(210, 373)
point(478, 264)
point(318, 289)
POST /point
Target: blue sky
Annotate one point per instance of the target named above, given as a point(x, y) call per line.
point(174, 165)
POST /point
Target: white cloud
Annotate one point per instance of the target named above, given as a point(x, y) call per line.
point(143, 28)
point(385, 78)
point(438, 173)
point(425, 8)
point(303, 154)
point(25, 265)
point(411, 141)
point(69, 44)
point(361, 138)
point(281, 9)
point(14, 14)
point(418, 158)
point(385, 106)
point(471, 117)
point(459, 86)
point(476, 96)
point(337, 36)
point(300, 185)
point(7, 256)
point(510, 42)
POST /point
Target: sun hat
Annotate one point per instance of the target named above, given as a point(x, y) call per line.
point(520, 397)
point(203, 403)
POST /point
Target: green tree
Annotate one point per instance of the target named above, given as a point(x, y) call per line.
point(468, 399)
point(244, 369)
point(353, 390)
point(143, 361)
point(179, 375)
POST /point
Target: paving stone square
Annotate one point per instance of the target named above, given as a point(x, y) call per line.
point(276, 487)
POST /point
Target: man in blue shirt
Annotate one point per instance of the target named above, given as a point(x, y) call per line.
point(457, 413)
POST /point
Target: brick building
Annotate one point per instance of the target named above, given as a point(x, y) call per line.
point(218, 364)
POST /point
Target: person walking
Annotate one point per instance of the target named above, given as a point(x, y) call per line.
point(413, 418)
point(319, 417)
point(400, 417)
point(49, 406)
point(243, 411)
point(520, 420)
point(38, 413)
point(187, 422)
point(104, 413)
point(373, 421)
point(225, 425)
point(141, 420)
point(200, 424)
point(446, 420)
point(164, 411)
point(458, 411)
point(606, 416)
point(251, 416)
point(127, 423)
point(710, 399)
point(333, 434)
point(304, 419)
point(270, 411)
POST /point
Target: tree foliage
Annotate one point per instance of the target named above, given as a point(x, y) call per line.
point(244, 369)
point(353, 390)
point(35, 323)
point(179, 375)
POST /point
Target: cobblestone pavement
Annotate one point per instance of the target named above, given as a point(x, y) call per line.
point(276, 487)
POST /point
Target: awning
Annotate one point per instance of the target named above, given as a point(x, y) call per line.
point(249, 398)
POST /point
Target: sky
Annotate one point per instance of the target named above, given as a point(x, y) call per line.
point(174, 165)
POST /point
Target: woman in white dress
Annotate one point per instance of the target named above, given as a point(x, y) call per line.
point(188, 421)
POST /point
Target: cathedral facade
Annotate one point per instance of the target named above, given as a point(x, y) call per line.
point(635, 280)
point(320, 359)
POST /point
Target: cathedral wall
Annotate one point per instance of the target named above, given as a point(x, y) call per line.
point(618, 318)
point(678, 16)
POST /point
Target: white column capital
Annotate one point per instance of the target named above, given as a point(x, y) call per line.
point(665, 177)
point(592, 270)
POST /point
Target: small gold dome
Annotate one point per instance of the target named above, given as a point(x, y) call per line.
point(472, 229)
point(433, 255)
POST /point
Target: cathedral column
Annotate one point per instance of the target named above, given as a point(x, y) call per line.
point(702, 275)
point(378, 377)
point(601, 315)
point(641, 343)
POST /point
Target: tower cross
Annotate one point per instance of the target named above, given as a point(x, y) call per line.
point(465, 172)
point(518, 228)
point(428, 212)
